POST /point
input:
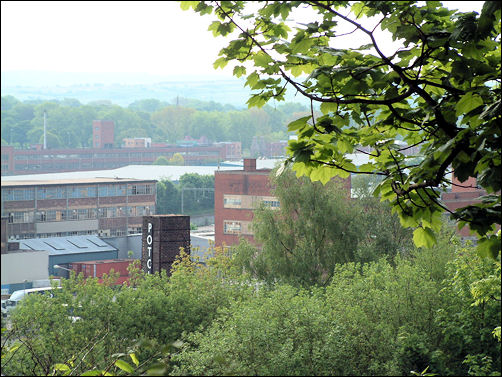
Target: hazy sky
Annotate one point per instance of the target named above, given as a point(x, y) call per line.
point(143, 37)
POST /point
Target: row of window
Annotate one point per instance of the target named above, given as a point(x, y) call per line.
point(78, 214)
point(63, 192)
point(250, 201)
point(107, 232)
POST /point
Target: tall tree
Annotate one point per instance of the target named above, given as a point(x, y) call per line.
point(440, 90)
point(315, 228)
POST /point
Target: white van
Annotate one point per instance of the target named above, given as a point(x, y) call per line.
point(17, 296)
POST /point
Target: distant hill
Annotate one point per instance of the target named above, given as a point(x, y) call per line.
point(123, 89)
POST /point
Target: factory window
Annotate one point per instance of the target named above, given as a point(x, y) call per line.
point(140, 190)
point(51, 215)
point(86, 213)
point(232, 227)
point(232, 201)
point(56, 215)
point(121, 190)
point(273, 204)
point(41, 216)
point(107, 212)
point(132, 211)
point(83, 192)
point(23, 194)
point(73, 214)
point(17, 194)
point(107, 190)
point(103, 191)
point(21, 217)
point(52, 193)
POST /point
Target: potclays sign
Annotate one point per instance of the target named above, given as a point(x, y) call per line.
point(149, 247)
point(163, 236)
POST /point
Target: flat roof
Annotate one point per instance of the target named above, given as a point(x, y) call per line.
point(45, 182)
point(67, 245)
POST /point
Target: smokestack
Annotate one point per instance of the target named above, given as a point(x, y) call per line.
point(45, 134)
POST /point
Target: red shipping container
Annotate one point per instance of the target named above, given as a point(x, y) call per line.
point(99, 267)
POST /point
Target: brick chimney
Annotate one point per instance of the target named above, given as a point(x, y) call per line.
point(250, 164)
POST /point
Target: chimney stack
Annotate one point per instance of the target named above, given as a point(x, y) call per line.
point(250, 164)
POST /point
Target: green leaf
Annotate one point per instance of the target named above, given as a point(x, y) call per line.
point(489, 247)
point(252, 80)
point(368, 167)
point(124, 366)
point(322, 173)
point(301, 45)
point(220, 63)
point(261, 59)
point(299, 123)
point(61, 367)
point(239, 71)
point(185, 5)
point(344, 146)
point(94, 373)
point(467, 103)
point(424, 237)
point(327, 107)
point(407, 221)
point(134, 359)
point(256, 100)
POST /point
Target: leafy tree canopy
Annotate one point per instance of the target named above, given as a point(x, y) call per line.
point(439, 91)
point(314, 229)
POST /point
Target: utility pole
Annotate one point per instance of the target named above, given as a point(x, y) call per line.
point(45, 134)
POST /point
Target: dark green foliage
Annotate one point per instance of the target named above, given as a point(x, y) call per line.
point(372, 319)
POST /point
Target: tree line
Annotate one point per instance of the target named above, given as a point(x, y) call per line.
point(69, 122)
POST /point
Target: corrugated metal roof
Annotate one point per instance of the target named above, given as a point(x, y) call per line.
point(67, 245)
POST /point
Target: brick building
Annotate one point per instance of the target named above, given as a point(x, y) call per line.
point(137, 142)
point(103, 134)
point(54, 208)
point(236, 194)
point(31, 161)
point(462, 194)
